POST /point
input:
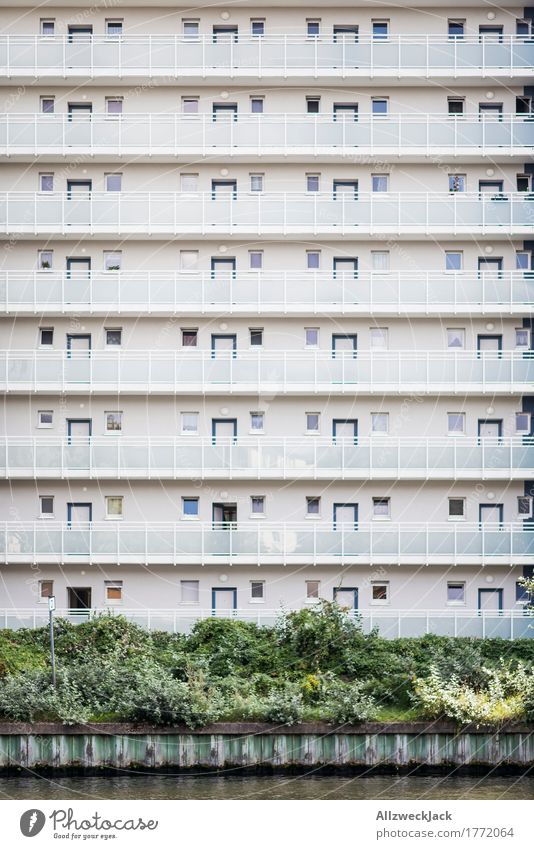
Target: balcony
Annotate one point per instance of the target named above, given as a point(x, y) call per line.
point(399, 59)
point(267, 543)
point(507, 624)
point(298, 293)
point(271, 214)
point(311, 458)
point(244, 137)
point(249, 372)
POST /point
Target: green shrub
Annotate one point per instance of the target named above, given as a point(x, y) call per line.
point(347, 703)
point(284, 705)
point(30, 697)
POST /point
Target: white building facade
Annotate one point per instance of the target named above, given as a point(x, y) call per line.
point(266, 285)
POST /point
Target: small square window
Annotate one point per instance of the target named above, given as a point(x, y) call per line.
point(46, 182)
point(114, 506)
point(381, 508)
point(190, 105)
point(255, 260)
point(113, 592)
point(522, 422)
point(311, 336)
point(257, 421)
point(47, 105)
point(453, 261)
point(379, 422)
point(190, 508)
point(113, 337)
point(380, 30)
point(380, 182)
point(455, 337)
point(114, 105)
point(313, 28)
point(379, 106)
point(46, 337)
point(313, 504)
point(313, 105)
point(524, 506)
point(47, 506)
point(457, 182)
point(189, 592)
point(257, 505)
point(312, 422)
point(113, 29)
point(380, 260)
point(456, 508)
point(45, 260)
point(456, 29)
point(113, 182)
point(455, 106)
point(256, 337)
point(45, 418)
point(113, 420)
point(455, 592)
point(256, 182)
point(257, 27)
point(189, 338)
point(46, 590)
point(313, 589)
point(112, 260)
point(312, 182)
point(313, 260)
point(189, 423)
point(189, 183)
point(522, 595)
point(257, 591)
point(379, 338)
point(379, 592)
point(190, 30)
point(522, 260)
point(189, 260)
point(455, 423)
point(48, 26)
point(256, 105)
point(522, 338)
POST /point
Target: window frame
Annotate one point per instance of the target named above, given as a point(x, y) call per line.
point(456, 602)
point(116, 517)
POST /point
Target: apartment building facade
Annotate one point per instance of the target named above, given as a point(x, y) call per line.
point(266, 285)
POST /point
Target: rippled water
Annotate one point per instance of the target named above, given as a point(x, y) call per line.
point(266, 787)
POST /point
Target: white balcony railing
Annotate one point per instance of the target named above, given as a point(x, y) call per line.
point(267, 542)
point(293, 372)
point(298, 135)
point(267, 213)
point(517, 623)
point(263, 457)
point(280, 292)
point(270, 56)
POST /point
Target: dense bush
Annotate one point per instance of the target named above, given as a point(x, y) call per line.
point(347, 702)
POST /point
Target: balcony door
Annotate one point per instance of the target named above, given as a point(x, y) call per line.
point(226, 34)
point(490, 111)
point(221, 189)
point(78, 206)
point(345, 189)
point(79, 443)
point(490, 268)
point(346, 112)
point(345, 517)
point(343, 343)
point(490, 514)
point(79, 429)
point(490, 428)
point(223, 345)
point(224, 112)
point(224, 515)
point(346, 597)
point(345, 33)
point(223, 268)
point(488, 344)
point(78, 268)
point(79, 342)
point(79, 33)
point(490, 600)
point(345, 430)
point(223, 600)
point(224, 430)
point(79, 111)
point(78, 598)
point(79, 513)
point(345, 267)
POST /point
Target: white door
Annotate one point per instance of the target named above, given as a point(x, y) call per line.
point(79, 514)
point(490, 514)
point(490, 600)
point(347, 598)
point(79, 429)
point(489, 429)
point(224, 431)
point(345, 430)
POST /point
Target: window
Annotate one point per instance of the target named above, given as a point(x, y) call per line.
point(455, 337)
point(257, 27)
point(381, 508)
point(523, 183)
point(453, 260)
point(114, 105)
point(256, 337)
point(380, 261)
point(189, 592)
point(113, 592)
point(46, 590)
point(45, 260)
point(522, 27)
point(522, 422)
point(312, 590)
point(46, 182)
point(456, 28)
point(313, 28)
point(113, 336)
point(112, 260)
point(188, 260)
point(457, 182)
point(455, 423)
point(255, 260)
point(313, 260)
point(189, 423)
point(379, 422)
point(189, 183)
point(113, 420)
point(46, 336)
point(190, 30)
point(455, 105)
point(312, 182)
point(257, 422)
point(312, 422)
point(522, 595)
point(190, 105)
point(45, 418)
point(522, 337)
point(189, 507)
point(456, 508)
point(379, 105)
point(46, 503)
point(455, 592)
point(189, 338)
point(114, 506)
point(313, 505)
point(256, 105)
point(113, 29)
point(379, 182)
point(257, 505)
point(256, 182)
point(257, 591)
point(379, 338)
point(380, 30)
point(113, 182)
point(379, 592)
point(313, 105)
point(524, 506)
point(522, 260)
point(311, 337)
point(47, 105)
point(48, 26)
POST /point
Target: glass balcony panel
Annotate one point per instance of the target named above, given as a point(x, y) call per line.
point(75, 457)
point(77, 541)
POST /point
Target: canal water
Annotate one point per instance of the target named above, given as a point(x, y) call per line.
point(266, 787)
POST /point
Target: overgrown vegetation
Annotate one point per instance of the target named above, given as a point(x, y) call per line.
point(315, 664)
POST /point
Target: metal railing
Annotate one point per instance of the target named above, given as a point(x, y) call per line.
point(335, 213)
point(249, 371)
point(310, 458)
point(515, 623)
point(205, 292)
point(302, 135)
point(271, 55)
point(275, 543)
